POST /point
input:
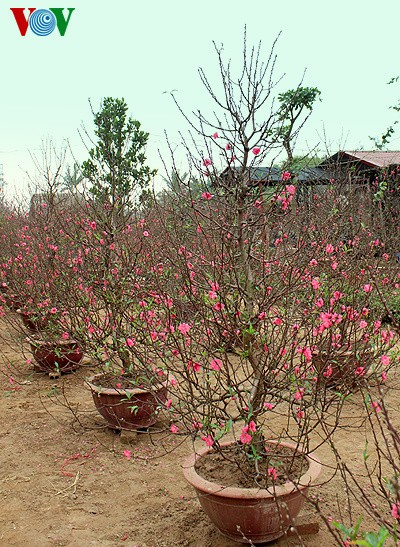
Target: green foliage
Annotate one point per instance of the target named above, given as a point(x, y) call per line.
point(382, 141)
point(393, 307)
point(73, 177)
point(380, 193)
point(116, 165)
point(295, 100)
point(368, 539)
point(293, 103)
point(300, 162)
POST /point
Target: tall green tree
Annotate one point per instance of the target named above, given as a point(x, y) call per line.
point(116, 168)
point(295, 107)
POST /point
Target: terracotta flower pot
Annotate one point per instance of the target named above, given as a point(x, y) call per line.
point(32, 322)
point(259, 515)
point(11, 300)
point(60, 356)
point(132, 408)
point(341, 368)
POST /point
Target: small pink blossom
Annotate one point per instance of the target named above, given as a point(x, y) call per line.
point(184, 328)
point(363, 324)
point(207, 162)
point(146, 233)
point(277, 321)
point(385, 360)
point(208, 440)
point(194, 365)
point(65, 336)
point(286, 175)
point(329, 248)
point(396, 510)
point(375, 405)
point(256, 150)
point(291, 189)
point(127, 454)
point(228, 146)
point(53, 310)
point(272, 473)
point(367, 288)
point(384, 375)
point(300, 414)
point(129, 342)
point(245, 438)
point(316, 283)
point(268, 406)
point(252, 426)
point(215, 135)
point(206, 195)
point(360, 371)
point(173, 429)
point(299, 394)
point(168, 404)
point(216, 364)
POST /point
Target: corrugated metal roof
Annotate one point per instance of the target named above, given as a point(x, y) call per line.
point(374, 158)
point(274, 174)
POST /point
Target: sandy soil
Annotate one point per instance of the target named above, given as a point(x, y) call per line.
point(64, 479)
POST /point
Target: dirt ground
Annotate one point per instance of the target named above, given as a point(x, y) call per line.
point(65, 481)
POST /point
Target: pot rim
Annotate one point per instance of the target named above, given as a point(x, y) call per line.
point(216, 489)
point(344, 352)
point(111, 390)
point(38, 342)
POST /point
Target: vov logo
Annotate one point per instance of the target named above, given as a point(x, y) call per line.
point(42, 22)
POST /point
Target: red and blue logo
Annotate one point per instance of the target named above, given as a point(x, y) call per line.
point(42, 22)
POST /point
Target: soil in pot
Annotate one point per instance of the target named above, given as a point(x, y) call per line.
point(62, 356)
point(231, 466)
point(260, 513)
point(124, 405)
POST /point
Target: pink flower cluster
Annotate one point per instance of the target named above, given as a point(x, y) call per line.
point(286, 196)
point(246, 437)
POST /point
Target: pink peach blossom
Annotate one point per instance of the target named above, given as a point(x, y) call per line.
point(216, 364)
point(208, 440)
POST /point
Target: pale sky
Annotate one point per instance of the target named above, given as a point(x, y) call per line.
point(138, 50)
